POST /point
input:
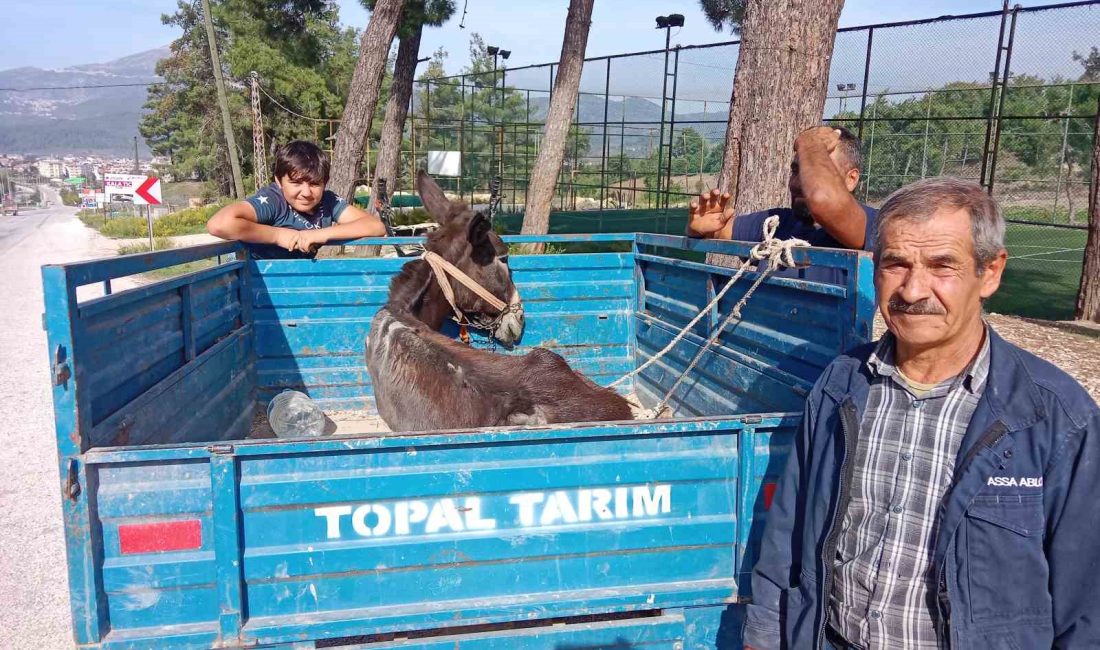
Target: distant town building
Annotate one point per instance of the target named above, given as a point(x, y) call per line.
point(51, 168)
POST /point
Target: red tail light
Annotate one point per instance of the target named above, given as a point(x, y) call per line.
point(160, 537)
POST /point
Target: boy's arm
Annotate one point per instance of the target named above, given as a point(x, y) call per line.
point(237, 221)
point(352, 223)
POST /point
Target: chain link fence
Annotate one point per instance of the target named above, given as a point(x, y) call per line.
point(1006, 98)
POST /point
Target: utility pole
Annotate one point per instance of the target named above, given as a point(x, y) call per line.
point(259, 151)
point(219, 83)
point(137, 165)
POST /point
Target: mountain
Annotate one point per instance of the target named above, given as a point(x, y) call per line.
point(76, 121)
point(639, 117)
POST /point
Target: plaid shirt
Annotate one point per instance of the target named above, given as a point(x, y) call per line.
point(904, 463)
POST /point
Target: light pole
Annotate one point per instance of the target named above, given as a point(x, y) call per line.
point(666, 23)
point(495, 51)
point(844, 89)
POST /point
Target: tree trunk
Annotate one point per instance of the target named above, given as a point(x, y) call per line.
point(778, 90)
point(1088, 296)
point(397, 108)
point(366, 82)
point(559, 117)
point(388, 163)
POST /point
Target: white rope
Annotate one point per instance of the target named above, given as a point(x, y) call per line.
point(777, 253)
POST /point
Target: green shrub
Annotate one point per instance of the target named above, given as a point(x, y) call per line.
point(159, 244)
point(189, 221)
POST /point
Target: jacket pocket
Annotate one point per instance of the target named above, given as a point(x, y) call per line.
point(1006, 567)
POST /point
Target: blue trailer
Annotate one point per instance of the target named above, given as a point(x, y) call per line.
point(182, 532)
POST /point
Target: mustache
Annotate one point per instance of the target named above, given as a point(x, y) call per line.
point(926, 307)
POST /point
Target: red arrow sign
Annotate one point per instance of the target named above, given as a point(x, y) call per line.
point(149, 190)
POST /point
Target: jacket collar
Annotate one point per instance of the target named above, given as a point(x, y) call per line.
point(1010, 393)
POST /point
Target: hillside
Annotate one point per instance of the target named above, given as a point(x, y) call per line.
point(79, 121)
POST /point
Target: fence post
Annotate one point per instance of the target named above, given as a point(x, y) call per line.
point(993, 96)
point(866, 78)
point(664, 105)
point(924, 147)
point(672, 127)
point(1062, 159)
point(1001, 101)
point(606, 149)
point(461, 137)
point(868, 166)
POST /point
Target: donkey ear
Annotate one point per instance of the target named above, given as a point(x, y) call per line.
point(479, 229)
point(435, 202)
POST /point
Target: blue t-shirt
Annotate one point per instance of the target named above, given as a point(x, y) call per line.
point(272, 209)
point(750, 227)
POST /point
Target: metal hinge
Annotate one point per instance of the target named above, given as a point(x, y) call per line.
point(72, 483)
point(751, 419)
point(220, 449)
point(61, 371)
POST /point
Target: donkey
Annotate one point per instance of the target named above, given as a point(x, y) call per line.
point(424, 380)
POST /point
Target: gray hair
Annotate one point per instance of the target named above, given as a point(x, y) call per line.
point(920, 200)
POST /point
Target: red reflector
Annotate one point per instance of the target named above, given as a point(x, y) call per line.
point(769, 494)
point(160, 537)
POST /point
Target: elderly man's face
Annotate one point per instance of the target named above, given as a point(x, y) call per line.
point(926, 282)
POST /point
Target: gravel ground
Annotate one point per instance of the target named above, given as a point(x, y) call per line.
point(32, 554)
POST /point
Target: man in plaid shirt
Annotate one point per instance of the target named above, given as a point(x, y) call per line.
point(943, 490)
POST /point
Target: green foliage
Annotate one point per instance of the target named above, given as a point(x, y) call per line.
point(417, 13)
point(304, 59)
point(190, 221)
point(722, 14)
point(69, 196)
point(465, 113)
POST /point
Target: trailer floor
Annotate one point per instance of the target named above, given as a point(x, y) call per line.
point(352, 423)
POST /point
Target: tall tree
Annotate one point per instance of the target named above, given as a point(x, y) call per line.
point(417, 15)
point(1088, 294)
point(778, 90)
point(304, 59)
point(559, 117)
point(366, 84)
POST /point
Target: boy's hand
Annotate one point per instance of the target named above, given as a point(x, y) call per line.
point(311, 240)
point(287, 238)
point(710, 212)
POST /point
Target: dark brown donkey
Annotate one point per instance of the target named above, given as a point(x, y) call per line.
point(424, 380)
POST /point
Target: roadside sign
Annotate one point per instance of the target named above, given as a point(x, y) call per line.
point(147, 192)
point(121, 185)
point(89, 203)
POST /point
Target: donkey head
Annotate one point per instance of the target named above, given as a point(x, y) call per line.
point(466, 239)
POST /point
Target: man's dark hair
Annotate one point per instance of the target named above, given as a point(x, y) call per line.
point(302, 161)
point(849, 144)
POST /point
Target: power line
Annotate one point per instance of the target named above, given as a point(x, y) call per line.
point(19, 90)
point(294, 113)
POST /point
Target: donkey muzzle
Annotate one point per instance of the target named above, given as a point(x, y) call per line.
point(510, 327)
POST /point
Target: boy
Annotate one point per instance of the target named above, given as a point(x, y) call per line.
point(295, 215)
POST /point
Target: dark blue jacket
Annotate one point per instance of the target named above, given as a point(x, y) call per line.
point(1017, 558)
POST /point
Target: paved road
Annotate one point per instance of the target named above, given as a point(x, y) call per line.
point(33, 579)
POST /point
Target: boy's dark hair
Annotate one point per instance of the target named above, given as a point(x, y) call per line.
point(302, 161)
point(849, 144)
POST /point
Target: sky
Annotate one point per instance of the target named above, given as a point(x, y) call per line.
point(60, 33)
